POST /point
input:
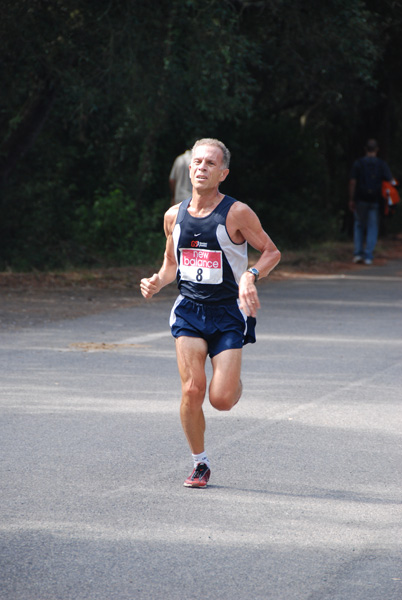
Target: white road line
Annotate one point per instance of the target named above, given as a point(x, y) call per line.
point(148, 337)
point(327, 339)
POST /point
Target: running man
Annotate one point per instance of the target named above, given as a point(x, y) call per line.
point(215, 312)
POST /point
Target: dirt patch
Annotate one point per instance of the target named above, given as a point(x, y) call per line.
point(334, 258)
point(29, 299)
point(103, 346)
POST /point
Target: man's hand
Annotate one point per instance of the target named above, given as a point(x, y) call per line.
point(248, 295)
point(150, 286)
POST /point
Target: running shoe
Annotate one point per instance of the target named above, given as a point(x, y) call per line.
point(199, 477)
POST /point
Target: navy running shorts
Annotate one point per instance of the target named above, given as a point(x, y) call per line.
point(222, 326)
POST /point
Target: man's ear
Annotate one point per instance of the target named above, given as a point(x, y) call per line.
point(224, 174)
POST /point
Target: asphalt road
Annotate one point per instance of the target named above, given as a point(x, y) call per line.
point(305, 501)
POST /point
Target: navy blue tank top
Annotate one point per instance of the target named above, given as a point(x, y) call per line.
point(209, 264)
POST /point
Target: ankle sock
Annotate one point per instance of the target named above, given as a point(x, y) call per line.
point(201, 458)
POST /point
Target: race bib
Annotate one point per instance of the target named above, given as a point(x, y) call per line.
point(201, 266)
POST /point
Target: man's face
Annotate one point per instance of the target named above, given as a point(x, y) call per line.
point(206, 171)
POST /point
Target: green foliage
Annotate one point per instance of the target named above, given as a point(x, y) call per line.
point(282, 175)
point(98, 99)
point(114, 230)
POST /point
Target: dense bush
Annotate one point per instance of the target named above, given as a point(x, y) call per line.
point(98, 99)
point(280, 171)
point(114, 230)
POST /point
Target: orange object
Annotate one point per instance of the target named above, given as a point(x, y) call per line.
point(390, 195)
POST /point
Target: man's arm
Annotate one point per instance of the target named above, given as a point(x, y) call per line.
point(244, 225)
point(167, 273)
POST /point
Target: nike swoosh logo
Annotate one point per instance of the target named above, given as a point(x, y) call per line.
point(197, 234)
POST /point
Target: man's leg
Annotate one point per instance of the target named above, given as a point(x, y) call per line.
point(373, 218)
point(225, 388)
point(360, 222)
point(191, 356)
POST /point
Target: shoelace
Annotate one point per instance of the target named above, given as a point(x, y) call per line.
point(200, 470)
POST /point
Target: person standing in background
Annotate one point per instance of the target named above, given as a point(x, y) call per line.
point(365, 201)
point(179, 179)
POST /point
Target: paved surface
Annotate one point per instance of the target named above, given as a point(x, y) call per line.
point(305, 501)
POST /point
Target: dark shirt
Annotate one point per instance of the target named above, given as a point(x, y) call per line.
point(369, 173)
point(209, 263)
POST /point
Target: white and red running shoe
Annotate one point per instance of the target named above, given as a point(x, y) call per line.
point(199, 477)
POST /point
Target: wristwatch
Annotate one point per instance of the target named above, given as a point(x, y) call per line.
point(255, 272)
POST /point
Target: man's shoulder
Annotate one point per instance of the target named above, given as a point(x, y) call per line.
point(356, 166)
point(240, 212)
point(178, 162)
point(238, 207)
point(172, 211)
point(360, 162)
point(184, 159)
point(171, 216)
point(383, 163)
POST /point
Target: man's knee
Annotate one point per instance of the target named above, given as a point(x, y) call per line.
point(222, 404)
point(193, 393)
point(225, 400)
